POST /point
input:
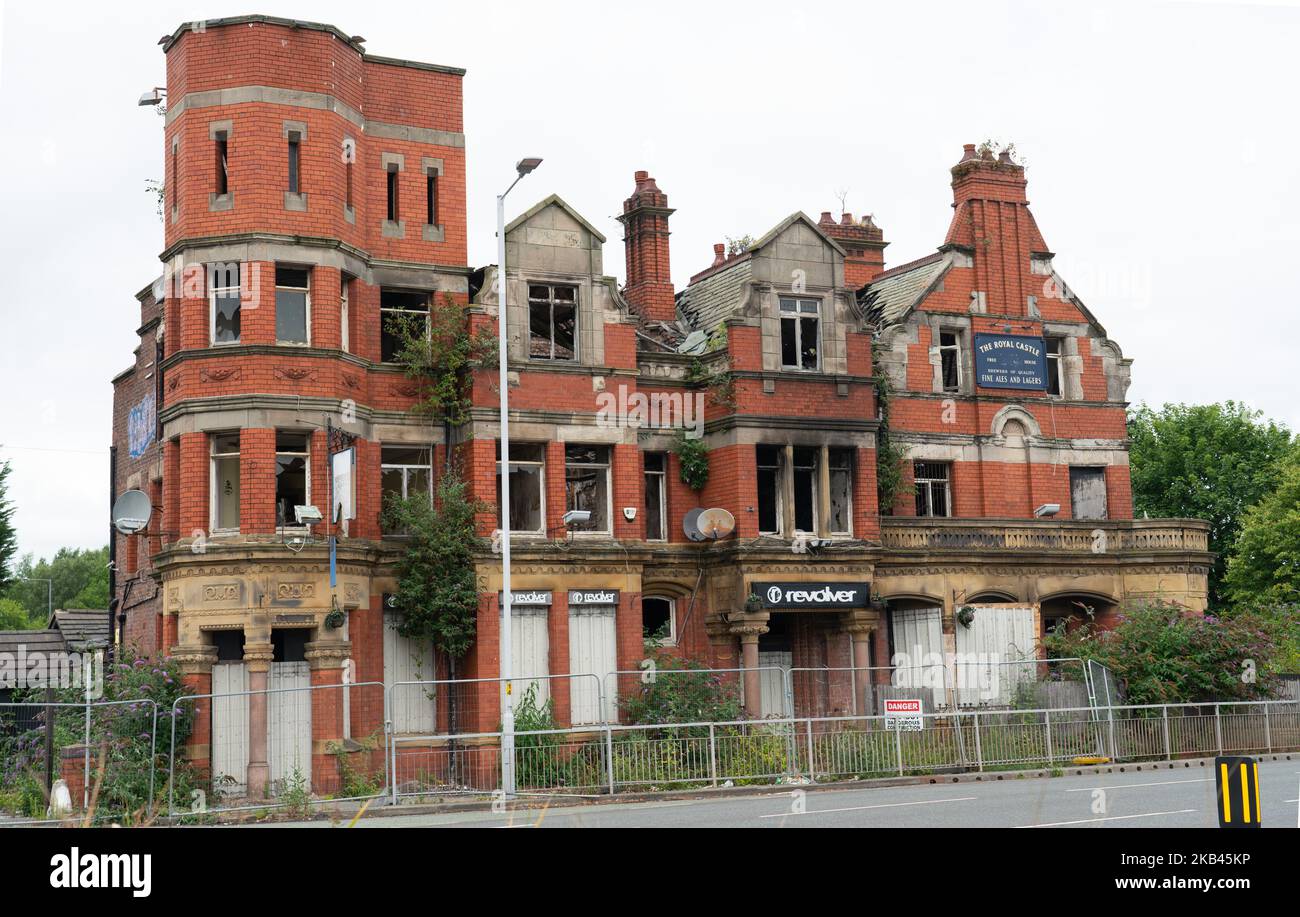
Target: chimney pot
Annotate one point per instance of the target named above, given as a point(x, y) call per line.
point(846, 219)
point(642, 174)
point(968, 152)
point(719, 253)
point(1005, 158)
point(826, 217)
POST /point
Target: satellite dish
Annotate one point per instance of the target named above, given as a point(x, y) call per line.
point(694, 344)
point(715, 523)
point(689, 525)
point(131, 512)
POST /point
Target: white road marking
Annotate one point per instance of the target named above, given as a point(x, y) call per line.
point(1120, 786)
point(885, 805)
point(1084, 821)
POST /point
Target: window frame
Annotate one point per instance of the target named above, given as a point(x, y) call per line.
point(428, 309)
point(221, 152)
point(306, 308)
point(927, 483)
point(607, 466)
point(671, 639)
point(211, 272)
point(214, 497)
point(796, 317)
point(551, 302)
point(779, 491)
point(1053, 359)
point(431, 198)
point(345, 308)
point(850, 455)
point(289, 523)
point(955, 348)
point(406, 469)
point(393, 194)
point(662, 476)
point(540, 464)
point(814, 495)
point(294, 162)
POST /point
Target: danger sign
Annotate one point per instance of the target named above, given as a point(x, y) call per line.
point(903, 714)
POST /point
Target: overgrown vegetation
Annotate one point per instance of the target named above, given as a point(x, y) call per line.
point(891, 483)
point(439, 355)
point(1264, 569)
point(693, 460)
point(679, 691)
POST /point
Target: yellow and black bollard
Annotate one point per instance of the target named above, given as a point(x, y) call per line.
point(1238, 781)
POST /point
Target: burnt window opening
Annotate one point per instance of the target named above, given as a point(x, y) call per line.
point(292, 457)
point(658, 621)
point(950, 360)
point(225, 482)
point(1088, 493)
point(770, 461)
point(527, 509)
point(431, 199)
point(404, 472)
point(799, 334)
point(289, 644)
point(805, 480)
point(222, 145)
point(586, 485)
point(552, 321)
point(295, 147)
point(933, 494)
point(393, 202)
point(841, 496)
point(291, 304)
point(225, 298)
point(1054, 366)
point(656, 495)
point(229, 644)
point(400, 311)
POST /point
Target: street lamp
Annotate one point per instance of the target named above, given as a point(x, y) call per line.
point(49, 584)
point(522, 168)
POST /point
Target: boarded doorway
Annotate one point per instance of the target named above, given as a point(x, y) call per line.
point(288, 709)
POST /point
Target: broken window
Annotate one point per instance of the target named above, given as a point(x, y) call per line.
point(769, 489)
point(552, 321)
point(392, 194)
point(658, 621)
point(349, 157)
point(295, 144)
point(291, 305)
point(841, 497)
point(225, 482)
point(586, 485)
point(656, 465)
point(527, 461)
point(223, 166)
point(1087, 493)
point(1054, 367)
point(799, 333)
point(289, 644)
point(345, 318)
point(950, 360)
point(805, 488)
point(291, 478)
point(405, 471)
point(224, 296)
point(933, 497)
point(401, 312)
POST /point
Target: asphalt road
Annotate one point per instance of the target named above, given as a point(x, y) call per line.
point(1170, 798)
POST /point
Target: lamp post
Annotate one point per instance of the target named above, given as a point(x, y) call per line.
point(49, 593)
point(523, 167)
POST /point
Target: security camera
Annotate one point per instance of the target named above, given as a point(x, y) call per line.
point(629, 513)
point(577, 517)
point(1047, 509)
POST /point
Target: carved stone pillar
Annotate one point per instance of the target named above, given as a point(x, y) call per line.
point(861, 624)
point(327, 659)
point(195, 663)
point(749, 627)
point(257, 661)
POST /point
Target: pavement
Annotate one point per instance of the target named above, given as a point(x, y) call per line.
point(1179, 797)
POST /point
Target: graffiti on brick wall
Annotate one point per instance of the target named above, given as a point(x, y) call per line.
point(141, 423)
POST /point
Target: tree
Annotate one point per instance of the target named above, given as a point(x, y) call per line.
point(80, 578)
point(13, 616)
point(1207, 461)
point(8, 537)
point(1265, 567)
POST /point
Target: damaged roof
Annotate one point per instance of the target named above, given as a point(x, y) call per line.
point(709, 301)
point(893, 293)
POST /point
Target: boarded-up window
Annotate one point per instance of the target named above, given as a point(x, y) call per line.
point(1088, 493)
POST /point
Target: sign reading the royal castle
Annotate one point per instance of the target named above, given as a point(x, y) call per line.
point(812, 595)
point(1010, 361)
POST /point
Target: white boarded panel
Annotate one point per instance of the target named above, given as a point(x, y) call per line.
point(592, 648)
point(413, 706)
point(230, 729)
point(288, 715)
point(530, 651)
point(771, 682)
point(990, 654)
point(918, 643)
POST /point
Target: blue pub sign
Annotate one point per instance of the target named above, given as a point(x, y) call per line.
point(1010, 361)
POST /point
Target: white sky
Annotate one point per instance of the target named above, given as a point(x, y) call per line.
point(1161, 138)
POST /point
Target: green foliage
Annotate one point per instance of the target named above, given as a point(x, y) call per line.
point(739, 245)
point(436, 589)
point(294, 795)
point(890, 456)
point(681, 691)
point(439, 355)
point(693, 458)
point(80, 581)
point(1209, 461)
point(356, 782)
point(158, 190)
point(13, 616)
point(1165, 655)
point(1265, 567)
point(8, 537)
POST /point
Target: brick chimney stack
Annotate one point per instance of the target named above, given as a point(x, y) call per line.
point(645, 239)
point(864, 245)
point(992, 222)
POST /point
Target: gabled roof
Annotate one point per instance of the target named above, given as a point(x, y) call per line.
point(796, 217)
point(33, 641)
point(554, 199)
point(83, 628)
point(893, 293)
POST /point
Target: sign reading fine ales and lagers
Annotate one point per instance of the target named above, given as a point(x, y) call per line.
point(904, 714)
point(1010, 361)
point(812, 595)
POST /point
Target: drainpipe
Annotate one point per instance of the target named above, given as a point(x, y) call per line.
point(112, 554)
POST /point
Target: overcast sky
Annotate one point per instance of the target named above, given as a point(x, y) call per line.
point(1161, 139)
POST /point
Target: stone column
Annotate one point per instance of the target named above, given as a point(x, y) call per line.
point(326, 658)
point(257, 661)
point(749, 627)
point(860, 624)
point(195, 662)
